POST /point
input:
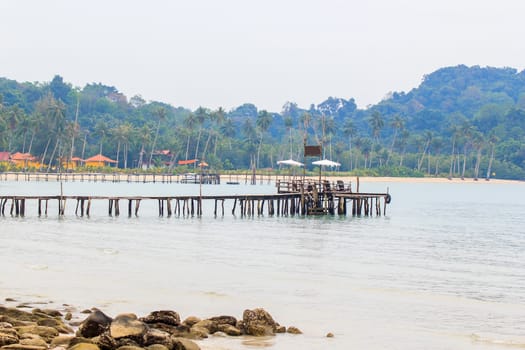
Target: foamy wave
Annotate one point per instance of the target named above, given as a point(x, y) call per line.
point(505, 342)
point(38, 267)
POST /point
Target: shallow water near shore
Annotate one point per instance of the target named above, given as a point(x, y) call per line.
point(444, 269)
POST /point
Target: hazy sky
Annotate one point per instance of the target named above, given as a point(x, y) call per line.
point(228, 52)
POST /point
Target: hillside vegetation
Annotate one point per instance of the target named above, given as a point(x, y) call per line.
point(459, 122)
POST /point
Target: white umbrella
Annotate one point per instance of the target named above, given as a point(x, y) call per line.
point(326, 162)
point(290, 162)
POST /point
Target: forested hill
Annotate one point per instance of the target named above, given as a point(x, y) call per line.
point(460, 121)
point(468, 92)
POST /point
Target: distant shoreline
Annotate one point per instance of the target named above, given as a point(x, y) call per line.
point(137, 178)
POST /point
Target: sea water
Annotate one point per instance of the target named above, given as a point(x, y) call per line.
point(443, 269)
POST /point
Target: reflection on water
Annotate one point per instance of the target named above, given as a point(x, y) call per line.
point(444, 269)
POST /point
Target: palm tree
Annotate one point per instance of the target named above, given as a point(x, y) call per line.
point(427, 138)
point(403, 142)
point(250, 136)
point(101, 130)
point(398, 123)
point(161, 115)
point(376, 123)
point(263, 122)
point(478, 143)
point(227, 129)
point(492, 139)
point(219, 116)
point(144, 135)
point(467, 131)
point(288, 123)
point(455, 130)
point(201, 114)
point(366, 149)
point(306, 120)
point(121, 134)
point(437, 145)
point(189, 123)
point(349, 131)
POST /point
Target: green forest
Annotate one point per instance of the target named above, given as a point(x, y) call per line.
point(459, 122)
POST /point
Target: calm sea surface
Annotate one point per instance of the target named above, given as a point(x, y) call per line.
point(444, 269)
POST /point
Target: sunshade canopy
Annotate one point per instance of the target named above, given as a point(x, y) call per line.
point(326, 162)
point(290, 162)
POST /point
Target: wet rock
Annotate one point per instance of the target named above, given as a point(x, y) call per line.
point(68, 316)
point(23, 347)
point(47, 333)
point(61, 340)
point(10, 299)
point(229, 329)
point(17, 314)
point(8, 338)
point(185, 344)
point(330, 335)
point(105, 341)
point(156, 336)
point(280, 329)
point(84, 346)
point(37, 341)
point(224, 320)
point(130, 347)
point(127, 342)
point(294, 330)
point(191, 320)
point(48, 312)
point(157, 347)
point(86, 311)
point(95, 324)
point(127, 326)
point(57, 324)
point(197, 333)
point(77, 340)
point(164, 316)
point(258, 322)
point(209, 325)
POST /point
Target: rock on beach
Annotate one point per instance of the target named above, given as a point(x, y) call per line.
point(160, 330)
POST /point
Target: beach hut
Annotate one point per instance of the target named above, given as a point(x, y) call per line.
point(99, 161)
point(4, 158)
point(24, 160)
point(72, 163)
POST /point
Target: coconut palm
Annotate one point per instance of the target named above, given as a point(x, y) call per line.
point(398, 123)
point(161, 115)
point(263, 122)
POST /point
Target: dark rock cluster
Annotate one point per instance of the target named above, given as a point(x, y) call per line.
point(160, 330)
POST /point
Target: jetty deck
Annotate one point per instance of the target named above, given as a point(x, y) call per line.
point(297, 197)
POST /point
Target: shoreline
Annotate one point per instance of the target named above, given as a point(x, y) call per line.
point(163, 178)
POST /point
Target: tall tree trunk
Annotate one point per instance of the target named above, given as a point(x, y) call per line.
point(464, 164)
point(52, 156)
point(31, 143)
point(452, 157)
point(420, 160)
point(118, 152)
point(154, 144)
point(489, 168)
point(84, 146)
point(126, 146)
point(188, 147)
point(206, 146)
point(198, 143)
point(478, 161)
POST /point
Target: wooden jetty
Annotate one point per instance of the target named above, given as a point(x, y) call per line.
point(298, 197)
